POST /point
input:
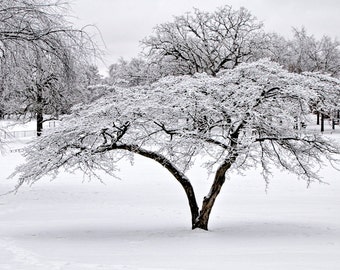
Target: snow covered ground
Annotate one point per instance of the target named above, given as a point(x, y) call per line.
point(142, 222)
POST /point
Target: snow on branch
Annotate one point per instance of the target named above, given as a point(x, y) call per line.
point(242, 117)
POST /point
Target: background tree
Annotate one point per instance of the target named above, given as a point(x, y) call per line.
point(41, 57)
point(305, 53)
point(138, 71)
point(242, 118)
point(135, 72)
point(311, 54)
point(91, 85)
point(277, 49)
point(206, 42)
point(92, 75)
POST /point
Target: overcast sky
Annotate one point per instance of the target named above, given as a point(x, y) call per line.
point(123, 23)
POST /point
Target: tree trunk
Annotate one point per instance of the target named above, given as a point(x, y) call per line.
point(39, 111)
point(318, 118)
point(322, 122)
point(40, 119)
point(209, 201)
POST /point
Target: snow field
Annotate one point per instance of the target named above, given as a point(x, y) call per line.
point(143, 222)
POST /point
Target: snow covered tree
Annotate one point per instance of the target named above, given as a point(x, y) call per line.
point(310, 54)
point(92, 75)
point(241, 118)
point(206, 42)
point(40, 56)
point(135, 72)
point(305, 53)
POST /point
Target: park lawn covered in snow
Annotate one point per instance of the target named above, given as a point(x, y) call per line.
point(143, 222)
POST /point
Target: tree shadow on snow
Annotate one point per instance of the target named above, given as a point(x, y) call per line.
point(232, 230)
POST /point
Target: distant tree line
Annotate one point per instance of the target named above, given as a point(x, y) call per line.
point(45, 68)
point(211, 42)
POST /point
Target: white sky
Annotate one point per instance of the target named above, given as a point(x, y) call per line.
point(123, 23)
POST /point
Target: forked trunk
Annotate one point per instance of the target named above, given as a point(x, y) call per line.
point(199, 219)
point(209, 201)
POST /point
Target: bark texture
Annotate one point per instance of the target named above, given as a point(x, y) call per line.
point(209, 200)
